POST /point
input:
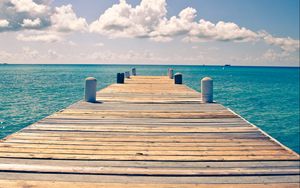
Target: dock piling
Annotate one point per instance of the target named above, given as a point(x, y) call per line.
point(133, 71)
point(178, 78)
point(127, 74)
point(207, 90)
point(120, 78)
point(170, 73)
point(90, 89)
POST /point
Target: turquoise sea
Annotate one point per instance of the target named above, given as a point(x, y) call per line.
point(266, 96)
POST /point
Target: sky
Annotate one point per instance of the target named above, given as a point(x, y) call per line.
point(189, 32)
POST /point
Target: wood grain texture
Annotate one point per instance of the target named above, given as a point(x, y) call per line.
point(57, 184)
point(147, 132)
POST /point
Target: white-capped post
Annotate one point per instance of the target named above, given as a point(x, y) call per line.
point(207, 90)
point(178, 78)
point(90, 89)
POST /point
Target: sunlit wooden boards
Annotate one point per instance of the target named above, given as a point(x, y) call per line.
point(147, 132)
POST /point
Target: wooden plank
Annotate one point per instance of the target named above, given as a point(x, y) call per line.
point(178, 139)
point(238, 135)
point(145, 126)
point(54, 117)
point(156, 164)
point(146, 152)
point(277, 179)
point(135, 148)
point(144, 143)
point(145, 129)
point(171, 115)
point(158, 171)
point(44, 184)
point(141, 157)
point(132, 106)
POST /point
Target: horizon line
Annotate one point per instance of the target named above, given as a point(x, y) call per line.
point(202, 65)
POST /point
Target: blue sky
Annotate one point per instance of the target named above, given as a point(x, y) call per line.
point(239, 32)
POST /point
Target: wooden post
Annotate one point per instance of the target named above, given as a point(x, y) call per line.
point(127, 74)
point(90, 89)
point(207, 90)
point(170, 73)
point(133, 71)
point(178, 78)
point(120, 78)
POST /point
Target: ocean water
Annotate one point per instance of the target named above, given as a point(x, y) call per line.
point(267, 97)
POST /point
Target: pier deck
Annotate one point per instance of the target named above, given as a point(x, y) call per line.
point(147, 133)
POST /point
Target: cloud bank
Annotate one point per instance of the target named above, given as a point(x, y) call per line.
point(149, 20)
point(38, 21)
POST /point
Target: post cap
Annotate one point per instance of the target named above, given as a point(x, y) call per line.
point(178, 73)
point(206, 79)
point(90, 78)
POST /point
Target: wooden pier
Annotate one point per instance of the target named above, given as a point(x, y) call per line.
point(147, 132)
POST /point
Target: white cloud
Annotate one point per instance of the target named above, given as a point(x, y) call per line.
point(28, 14)
point(123, 57)
point(149, 20)
point(30, 53)
point(62, 22)
point(181, 25)
point(287, 44)
point(100, 44)
point(25, 14)
point(71, 43)
point(272, 55)
point(222, 31)
point(52, 54)
point(65, 20)
point(122, 20)
point(5, 56)
point(4, 23)
point(40, 36)
point(161, 38)
point(28, 23)
point(37, 21)
point(29, 6)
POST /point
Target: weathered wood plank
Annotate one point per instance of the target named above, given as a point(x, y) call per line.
point(258, 141)
point(215, 180)
point(157, 164)
point(43, 184)
point(146, 152)
point(142, 157)
point(54, 117)
point(138, 148)
point(168, 129)
point(182, 115)
point(148, 171)
point(139, 143)
point(238, 135)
